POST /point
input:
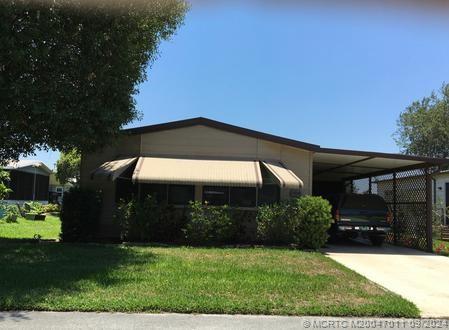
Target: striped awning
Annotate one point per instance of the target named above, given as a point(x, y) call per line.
point(113, 169)
point(236, 173)
point(285, 177)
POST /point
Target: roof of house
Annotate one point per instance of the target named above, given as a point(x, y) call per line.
point(221, 126)
point(277, 139)
point(21, 164)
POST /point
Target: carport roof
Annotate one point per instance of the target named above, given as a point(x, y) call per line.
point(332, 164)
point(338, 164)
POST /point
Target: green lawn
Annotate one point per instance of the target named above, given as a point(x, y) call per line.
point(48, 229)
point(90, 277)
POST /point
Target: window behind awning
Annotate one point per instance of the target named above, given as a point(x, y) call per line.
point(285, 177)
point(235, 173)
point(113, 169)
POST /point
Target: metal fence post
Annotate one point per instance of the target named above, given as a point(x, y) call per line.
point(429, 236)
point(395, 226)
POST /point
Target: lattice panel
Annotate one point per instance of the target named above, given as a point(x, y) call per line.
point(407, 201)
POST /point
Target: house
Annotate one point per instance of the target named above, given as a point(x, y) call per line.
point(441, 195)
point(56, 189)
point(29, 181)
point(206, 160)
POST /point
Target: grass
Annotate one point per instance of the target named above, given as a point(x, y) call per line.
point(23, 228)
point(90, 277)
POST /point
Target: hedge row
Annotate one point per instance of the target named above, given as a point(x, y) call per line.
point(303, 221)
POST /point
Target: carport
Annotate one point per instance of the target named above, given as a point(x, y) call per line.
point(405, 182)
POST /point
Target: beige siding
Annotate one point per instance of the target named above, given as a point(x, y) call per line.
point(198, 141)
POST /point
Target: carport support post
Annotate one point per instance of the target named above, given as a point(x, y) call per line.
point(370, 185)
point(395, 200)
point(429, 235)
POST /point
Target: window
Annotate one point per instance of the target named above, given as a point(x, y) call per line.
point(180, 194)
point(157, 191)
point(216, 195)
point(243, 197)
point(269, 194)
point(124, 189)
point(233, 196)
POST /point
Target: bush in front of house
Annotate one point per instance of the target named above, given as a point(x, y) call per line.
point(244, 225)
point(51, 208)
point(209, 224)
point(10, 212)
point(303, 221)
point(136, 219)
point(275, 223)
point(148, 221)
point(313, 219)
point(33, 207)
point(80, 215)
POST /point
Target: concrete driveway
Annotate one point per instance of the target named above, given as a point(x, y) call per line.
point(420, 277)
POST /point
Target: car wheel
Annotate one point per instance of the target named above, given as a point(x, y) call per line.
point(377, 240)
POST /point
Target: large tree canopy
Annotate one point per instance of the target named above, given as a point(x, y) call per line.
point(423, 128)
point(69, 69)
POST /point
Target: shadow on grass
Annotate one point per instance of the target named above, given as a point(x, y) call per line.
point(35, 274)
point(7, 240)
point(223, 246)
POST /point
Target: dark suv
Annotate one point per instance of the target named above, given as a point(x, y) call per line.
point(364, 215)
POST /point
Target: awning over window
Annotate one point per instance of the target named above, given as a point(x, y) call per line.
point(236, 173)
point(285, 177)
point(115, 168)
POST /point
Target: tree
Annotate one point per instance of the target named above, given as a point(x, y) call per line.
point(69, 69)
point(4, 189)
point(423, 128)
point(68, 167)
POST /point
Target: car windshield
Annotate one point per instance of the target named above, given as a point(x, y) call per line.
point(368, 202)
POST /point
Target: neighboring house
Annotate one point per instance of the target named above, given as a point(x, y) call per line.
point(441, 195)
point(57, 189)
point(206, 160)
point(29, 181)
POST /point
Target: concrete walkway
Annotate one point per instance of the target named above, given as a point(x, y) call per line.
point(420, 277)
point(77, 320)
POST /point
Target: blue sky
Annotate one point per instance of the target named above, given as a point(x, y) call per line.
point(338, 77)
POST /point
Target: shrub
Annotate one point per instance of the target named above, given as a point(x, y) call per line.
point(313, 220)
point(303, 221)
point(80, 215)
point(4, 179)
point(274, 223)
point(147, 221)
point(33, 207)
point(11, 213)
point(209, 224)
point(51, 208)
point(244, 225)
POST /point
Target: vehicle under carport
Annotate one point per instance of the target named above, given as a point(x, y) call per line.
point(405, 182)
